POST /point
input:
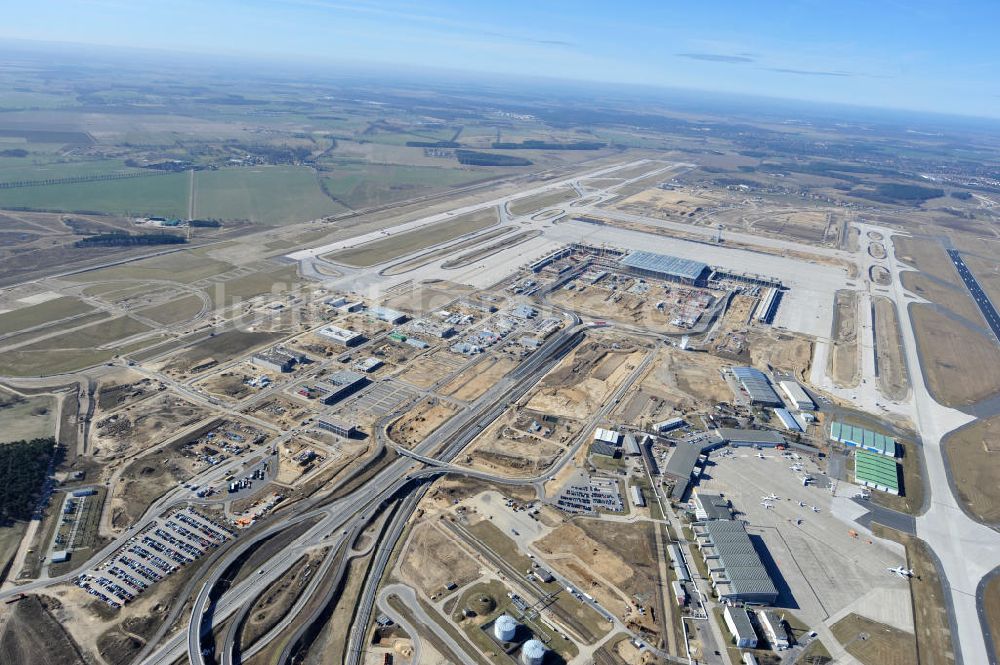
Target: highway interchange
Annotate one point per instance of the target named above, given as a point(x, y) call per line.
point(967, 551)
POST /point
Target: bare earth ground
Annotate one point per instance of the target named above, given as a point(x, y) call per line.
point(432, 559)
point(884, 645)
point(844, 360)
point(991, 603)
point(789, 353)
point(581, 382)
point(893, 379)
point(961, 364)
point(422, 419)
point(974, 456)
point(476, 380)
point(30, 634)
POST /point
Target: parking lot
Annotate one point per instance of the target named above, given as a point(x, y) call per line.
point(168, 543)
point(379, 399)
point(828, 564)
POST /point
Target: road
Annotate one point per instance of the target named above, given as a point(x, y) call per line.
point(450, 439)
point(978, 295)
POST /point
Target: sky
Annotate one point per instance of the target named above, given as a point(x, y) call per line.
point(906, 54)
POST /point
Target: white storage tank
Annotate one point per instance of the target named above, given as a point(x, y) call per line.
point(504, 628)
point(533, 653)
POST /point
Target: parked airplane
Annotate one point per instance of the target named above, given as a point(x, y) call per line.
point(771, 497)
point(901, 572)
point(767, 504)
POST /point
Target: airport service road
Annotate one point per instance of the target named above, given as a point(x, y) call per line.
point(982, 300)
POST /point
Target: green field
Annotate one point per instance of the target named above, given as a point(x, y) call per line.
point(360, 185)
point(266, 194)
point(37, 167)
point(151, 195)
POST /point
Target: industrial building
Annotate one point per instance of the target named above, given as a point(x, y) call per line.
point(711, 507)
point(788, 420)
point(739, 624)
point(608, 436)
point(797, 395)
point(638, 500)
point(734, 566)
point(876, 471)
point(276, 360)
point(858, 437)
point(677, 561)
point(338, 427)
point(341, 335)
point(387, 314)
point(680, 593)
point(774, 629)
point(631, 444)
point(756, 386)
point(669, 425)
point(669, 268)
point(344, 382)
point(743, 438)
point(368, 365)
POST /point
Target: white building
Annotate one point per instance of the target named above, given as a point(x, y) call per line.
point(797, 395)
point(638, 500)
point(340, 335)
point(608, 436)
point(774, 628)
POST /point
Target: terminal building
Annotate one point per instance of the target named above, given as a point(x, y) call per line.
point(756, 386)
point(858, 437)
point(734, 565)
point(668, 268)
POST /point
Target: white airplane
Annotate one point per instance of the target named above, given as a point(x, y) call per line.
point(802, 504)
point(814, 509)
point(760, 455)
point(771, 497)
point(767, 504)
point(901, 572)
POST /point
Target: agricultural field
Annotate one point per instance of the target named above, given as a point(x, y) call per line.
point(359, 185)
point(165, 195)
point(271, 195)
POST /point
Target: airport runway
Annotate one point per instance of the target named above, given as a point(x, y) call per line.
point(978, 295)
